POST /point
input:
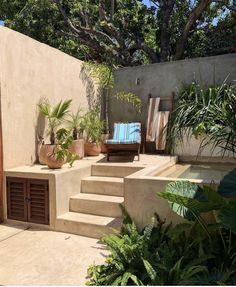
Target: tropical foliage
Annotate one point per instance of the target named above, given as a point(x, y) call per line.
point(54, 114)
point(126, 32)
point(74, 122)
point(62, 144)
point(191, 253)
point(103, 77)
point(208, 113)
point(92, 125)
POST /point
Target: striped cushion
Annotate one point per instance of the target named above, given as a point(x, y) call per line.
point(126, 133)
point(114, 141)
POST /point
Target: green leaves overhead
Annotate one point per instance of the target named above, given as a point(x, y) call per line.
point(130, 34)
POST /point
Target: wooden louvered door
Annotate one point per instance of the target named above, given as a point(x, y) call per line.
point(38, 209)
point(28, 200)
point(16, 198)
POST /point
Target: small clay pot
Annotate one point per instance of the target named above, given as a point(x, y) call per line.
point(77, 147)
point(54, 163)
point(45, 149)
point(92, 149)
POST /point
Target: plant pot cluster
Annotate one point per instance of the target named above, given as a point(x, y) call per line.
point(81, 137)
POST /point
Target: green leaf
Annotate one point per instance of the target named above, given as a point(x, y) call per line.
point(227, 216)
point(150, 270)
point(227, 187)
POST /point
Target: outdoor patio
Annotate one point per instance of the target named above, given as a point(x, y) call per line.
point(33, 256)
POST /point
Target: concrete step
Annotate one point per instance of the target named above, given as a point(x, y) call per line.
point(86, 224)
point(111, 170)
point(103, 185)
point(104, 205)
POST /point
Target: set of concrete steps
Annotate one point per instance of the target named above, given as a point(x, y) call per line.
point(95, 211)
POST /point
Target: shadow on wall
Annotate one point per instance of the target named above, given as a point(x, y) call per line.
point(91, 94)
point(39, 133)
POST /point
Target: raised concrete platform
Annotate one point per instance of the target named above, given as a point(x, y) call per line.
point(86, 198)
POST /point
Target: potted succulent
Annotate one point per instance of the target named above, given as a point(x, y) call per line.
point(60, 153)
point(55, 115)
point(77, 145)
point(92, 126)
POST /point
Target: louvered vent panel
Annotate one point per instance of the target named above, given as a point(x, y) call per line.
point(38, 206)
point(16, 195)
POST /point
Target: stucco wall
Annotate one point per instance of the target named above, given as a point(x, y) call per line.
point(29, 71)
point(161, 80)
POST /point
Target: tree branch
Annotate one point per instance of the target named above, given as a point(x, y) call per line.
point(195, 14)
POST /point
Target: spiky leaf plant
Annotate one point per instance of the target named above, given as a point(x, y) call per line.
point(74, 123)
point(54, 114)
point(209, 113)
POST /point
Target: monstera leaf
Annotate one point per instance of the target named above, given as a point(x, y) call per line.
point(227, 216)
point(227, 187)
point(189, 200)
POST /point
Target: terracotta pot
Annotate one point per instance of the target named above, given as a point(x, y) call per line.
point(53, 162)
point(92, 149)
point(103, 147)
point(77, 147)
point(45, 149)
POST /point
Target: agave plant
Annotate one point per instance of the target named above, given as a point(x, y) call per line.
point(54, 114)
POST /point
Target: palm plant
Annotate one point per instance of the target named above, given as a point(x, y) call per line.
point(208, 112)
point(74, 123)
point(55, 115)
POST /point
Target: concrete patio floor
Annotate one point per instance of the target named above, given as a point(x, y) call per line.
point(41, 257)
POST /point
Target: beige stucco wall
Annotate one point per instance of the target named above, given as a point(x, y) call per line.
point(29, 71)
point(161, 80)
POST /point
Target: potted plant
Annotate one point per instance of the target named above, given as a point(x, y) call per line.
point(92, 126)
point(77, 145)
point(60, 153)
point(103, 76)
point(55, 115)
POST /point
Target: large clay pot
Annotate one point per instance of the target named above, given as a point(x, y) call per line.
point(44, 150)
point(92, 149)
point(77, 147)
point(54, 163)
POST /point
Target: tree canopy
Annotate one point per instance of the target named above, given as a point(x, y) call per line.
point(127, 32)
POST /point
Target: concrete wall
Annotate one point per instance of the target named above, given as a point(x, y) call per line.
point(161, 80)
point(30, 70)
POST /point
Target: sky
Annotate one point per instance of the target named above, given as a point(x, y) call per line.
point(1, 23)
point(147, 2)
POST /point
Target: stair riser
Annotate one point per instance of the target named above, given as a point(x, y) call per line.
point(102, 208)
point(113, 171)
point(100, 187)
point(83, 229)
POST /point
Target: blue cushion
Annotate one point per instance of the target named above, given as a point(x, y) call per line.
point(126, 133)
point(114, 141)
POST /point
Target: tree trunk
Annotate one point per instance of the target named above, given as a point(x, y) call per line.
point(166, 12)
point(193, 17)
